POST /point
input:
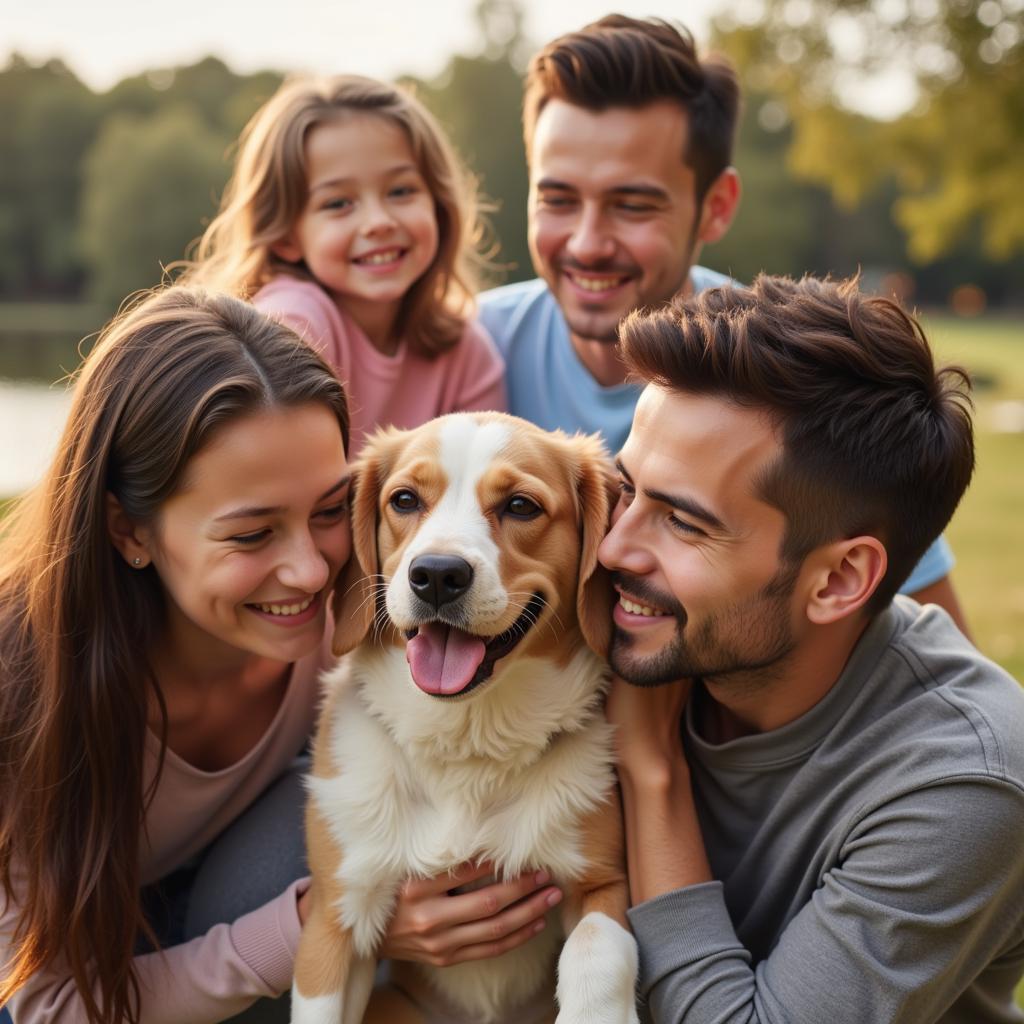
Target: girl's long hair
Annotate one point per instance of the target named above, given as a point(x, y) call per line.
point(77, 623)
point(268, 191)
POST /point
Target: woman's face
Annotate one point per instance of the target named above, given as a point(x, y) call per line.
point(249, 546)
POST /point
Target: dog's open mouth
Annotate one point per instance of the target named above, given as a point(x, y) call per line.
point(449, 662)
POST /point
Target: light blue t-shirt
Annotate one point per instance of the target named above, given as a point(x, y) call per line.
point(548, 385)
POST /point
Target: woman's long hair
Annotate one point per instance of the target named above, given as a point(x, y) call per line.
point(268, 191)
point(76, 623)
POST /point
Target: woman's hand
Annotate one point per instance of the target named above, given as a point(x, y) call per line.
point(434, 927)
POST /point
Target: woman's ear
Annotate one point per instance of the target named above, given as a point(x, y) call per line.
point(847, 573)
point(131, 541)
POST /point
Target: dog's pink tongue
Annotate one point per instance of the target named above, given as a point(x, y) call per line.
point(443, 659)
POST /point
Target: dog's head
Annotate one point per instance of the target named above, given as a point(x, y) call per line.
point(475, 541)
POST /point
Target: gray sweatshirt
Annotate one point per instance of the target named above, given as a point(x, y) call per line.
point(869, 856)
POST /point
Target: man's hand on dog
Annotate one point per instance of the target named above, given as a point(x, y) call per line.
point(432, 926)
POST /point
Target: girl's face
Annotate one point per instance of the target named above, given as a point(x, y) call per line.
point(369, 227)
point(249, 546)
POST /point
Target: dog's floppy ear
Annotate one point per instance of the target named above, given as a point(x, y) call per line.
point(356, 591)
point(596, 493)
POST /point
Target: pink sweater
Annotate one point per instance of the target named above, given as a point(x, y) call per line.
point(222, 972)
point(403, 390)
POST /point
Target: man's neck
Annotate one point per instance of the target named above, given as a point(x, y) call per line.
point(756, 702)
point(601, 360)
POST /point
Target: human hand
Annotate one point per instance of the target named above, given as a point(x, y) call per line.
point(648, 737)
point(431, 926)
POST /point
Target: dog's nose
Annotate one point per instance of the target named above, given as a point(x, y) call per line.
point(439, 579)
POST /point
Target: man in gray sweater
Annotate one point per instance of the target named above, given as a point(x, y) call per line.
point(824, 817)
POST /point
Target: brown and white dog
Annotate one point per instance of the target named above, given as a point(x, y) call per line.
point(467, 724)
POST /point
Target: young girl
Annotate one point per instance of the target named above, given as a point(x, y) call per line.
point(163, 618)
point(349, 219)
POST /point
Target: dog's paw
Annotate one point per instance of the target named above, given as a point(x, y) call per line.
point(597, 974)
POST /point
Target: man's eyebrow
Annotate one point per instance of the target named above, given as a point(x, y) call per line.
point(679, 502)
point(650, 191)
point(554, 183)
point(255, 511)
point(627, 189)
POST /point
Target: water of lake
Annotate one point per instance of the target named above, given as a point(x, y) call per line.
point(31, 418)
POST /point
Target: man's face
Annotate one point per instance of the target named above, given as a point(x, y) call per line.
point(613, 216)
point(693, 551)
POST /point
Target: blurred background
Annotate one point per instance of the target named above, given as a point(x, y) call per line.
point(880, 135)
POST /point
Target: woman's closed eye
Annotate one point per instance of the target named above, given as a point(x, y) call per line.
point(250, 538)
point(333, 513)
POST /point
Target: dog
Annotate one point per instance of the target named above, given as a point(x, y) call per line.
point(467, 724)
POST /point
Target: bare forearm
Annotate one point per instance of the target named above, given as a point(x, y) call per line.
point(664, 846)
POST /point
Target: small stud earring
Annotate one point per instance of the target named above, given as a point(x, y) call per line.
point(136, 561)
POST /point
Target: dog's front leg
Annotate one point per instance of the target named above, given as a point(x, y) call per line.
point(597, 973)
point(332, 982)
point(597, 969)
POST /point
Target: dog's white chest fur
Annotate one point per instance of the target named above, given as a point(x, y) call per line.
point(421, 786)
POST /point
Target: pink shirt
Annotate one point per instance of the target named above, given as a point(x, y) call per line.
point(222, 972)
point(403, 390)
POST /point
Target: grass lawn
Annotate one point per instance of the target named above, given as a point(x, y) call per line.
point(987, 532)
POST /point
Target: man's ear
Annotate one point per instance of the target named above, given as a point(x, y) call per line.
point(132, 542)
point(719, 206)
point(843, 577)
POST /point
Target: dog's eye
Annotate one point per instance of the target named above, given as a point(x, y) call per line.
point(405, 501)
point(522, 508)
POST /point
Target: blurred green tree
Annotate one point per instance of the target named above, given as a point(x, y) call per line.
point(223, 99)
point(149, 183)
point(47, 121)
point(956, 155)
point(478, 101)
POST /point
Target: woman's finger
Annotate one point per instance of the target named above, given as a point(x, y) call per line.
point(485, 903)
point(464, 874)
point(519, 917)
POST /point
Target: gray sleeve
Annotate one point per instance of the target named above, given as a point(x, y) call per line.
point(926, 892)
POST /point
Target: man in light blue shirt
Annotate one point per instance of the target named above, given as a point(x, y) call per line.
point(624, 192)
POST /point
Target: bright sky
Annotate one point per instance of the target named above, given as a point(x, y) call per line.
point(105, 40)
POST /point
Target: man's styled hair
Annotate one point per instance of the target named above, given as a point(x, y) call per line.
point(875, 440)
point(631, 62)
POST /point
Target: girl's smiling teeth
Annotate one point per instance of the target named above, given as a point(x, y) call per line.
point(286, 609)
point(376, 259)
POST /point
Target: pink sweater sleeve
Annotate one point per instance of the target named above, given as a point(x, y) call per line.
point(479, 384)
point(208, 979)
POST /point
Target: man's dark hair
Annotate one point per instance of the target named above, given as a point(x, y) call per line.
point(875, 440)
point(632, 62)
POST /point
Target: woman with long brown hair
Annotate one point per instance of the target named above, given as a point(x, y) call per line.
point(164, 600)
point(163, 606)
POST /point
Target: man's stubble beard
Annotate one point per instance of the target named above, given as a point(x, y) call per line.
point(712, 651)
